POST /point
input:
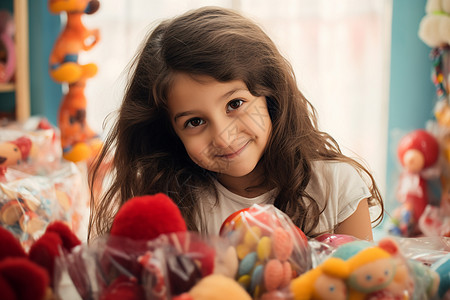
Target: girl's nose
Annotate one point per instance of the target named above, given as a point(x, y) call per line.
point(224, 134)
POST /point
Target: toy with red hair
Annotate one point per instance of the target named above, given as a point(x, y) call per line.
point(13, 153)
point(29, 276)
point(417, 151)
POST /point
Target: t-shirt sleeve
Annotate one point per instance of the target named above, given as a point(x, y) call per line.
point(351, 190)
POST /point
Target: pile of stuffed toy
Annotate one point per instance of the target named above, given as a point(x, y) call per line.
point(259, 254)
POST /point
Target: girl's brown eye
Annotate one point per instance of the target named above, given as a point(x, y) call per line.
point(234, 104)
point(194, 122)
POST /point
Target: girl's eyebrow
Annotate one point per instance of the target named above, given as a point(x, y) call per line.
point(224, 96)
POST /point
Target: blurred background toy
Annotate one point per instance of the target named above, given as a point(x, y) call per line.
point(13, 153)
point(434, 26)
point(79, 142)
point(417, 151)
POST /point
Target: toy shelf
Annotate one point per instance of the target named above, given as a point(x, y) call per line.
point(21, 86)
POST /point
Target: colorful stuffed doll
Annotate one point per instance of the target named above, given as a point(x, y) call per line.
point(381, 272)
point(326, 281)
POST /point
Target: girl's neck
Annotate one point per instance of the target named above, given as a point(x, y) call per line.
point(248, 186)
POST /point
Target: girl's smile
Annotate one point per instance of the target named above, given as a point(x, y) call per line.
point(223, 127)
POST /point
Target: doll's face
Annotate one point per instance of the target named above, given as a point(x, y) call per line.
point(413, 160)
point(9, 154)
point(373, 276)
point(328, 287)
point(223, 127)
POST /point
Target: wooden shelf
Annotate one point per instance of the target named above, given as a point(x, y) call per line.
point(21, 85)
point(7, 87)
point(22, 82)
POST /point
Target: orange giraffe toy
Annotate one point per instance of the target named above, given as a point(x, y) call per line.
point(79, 141)
point(64, 66)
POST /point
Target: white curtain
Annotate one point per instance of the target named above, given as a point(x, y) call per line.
point(339, 51)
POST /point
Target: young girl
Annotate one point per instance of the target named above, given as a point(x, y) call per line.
point(213, 117)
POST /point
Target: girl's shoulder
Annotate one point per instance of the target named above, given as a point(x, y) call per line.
point(341, 177)
point(333, 169)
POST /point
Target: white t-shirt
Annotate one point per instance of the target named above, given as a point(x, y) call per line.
point(336, 184)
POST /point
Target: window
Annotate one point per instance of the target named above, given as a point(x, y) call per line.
point(339, 51)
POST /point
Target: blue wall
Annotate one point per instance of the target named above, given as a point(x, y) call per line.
point(412, 95)
point(44, 29)
point(45, 94)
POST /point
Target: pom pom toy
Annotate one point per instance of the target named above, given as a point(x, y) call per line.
point(57, 238)
point(30, 276)
point(149, 254)
point(147, 217)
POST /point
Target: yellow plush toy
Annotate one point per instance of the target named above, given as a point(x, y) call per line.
point(326, 281)
point(371, 270)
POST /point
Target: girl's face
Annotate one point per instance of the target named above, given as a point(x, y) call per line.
point(223, 127)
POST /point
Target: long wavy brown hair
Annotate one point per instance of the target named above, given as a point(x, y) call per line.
point(147, 156)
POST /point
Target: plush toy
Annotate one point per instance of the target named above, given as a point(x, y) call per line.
point(58, 238)
point(13, 153)
point(164, 258)
point(417, 151)
point(326, 281)
point(434, 28)
point(381, 272)
point(29, 276)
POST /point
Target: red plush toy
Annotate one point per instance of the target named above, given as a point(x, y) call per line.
point(145, 218)
point(30, 276)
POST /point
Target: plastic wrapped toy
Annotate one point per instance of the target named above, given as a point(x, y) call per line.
point(29, 203)
point(270, 248)
point(364, 270)
point(29, 276)
point(148, 252)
